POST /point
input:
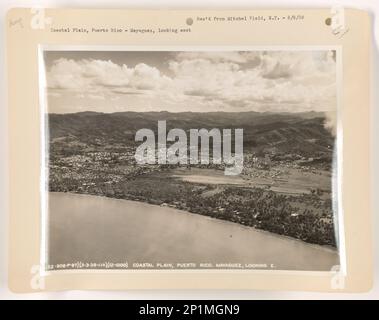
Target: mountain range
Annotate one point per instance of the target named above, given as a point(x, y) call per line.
point(303, 133)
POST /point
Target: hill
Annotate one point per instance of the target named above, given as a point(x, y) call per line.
point(301, 133)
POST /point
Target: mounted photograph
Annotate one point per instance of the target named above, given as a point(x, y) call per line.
point(188, 159)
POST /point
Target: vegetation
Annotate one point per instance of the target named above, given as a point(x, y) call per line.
point(94, 154)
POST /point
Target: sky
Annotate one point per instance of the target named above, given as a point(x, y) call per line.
point(230, 81)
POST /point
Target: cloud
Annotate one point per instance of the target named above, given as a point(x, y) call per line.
point(241, 57)
point(100, 75)
point(126, 91)
point(331, 122)
point(301, 78)
point(232, 81)
point(96, 96)
point(54, 94)
point(278, 71)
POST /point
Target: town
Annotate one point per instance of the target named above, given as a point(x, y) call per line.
point(283, 188)
point(178, 151)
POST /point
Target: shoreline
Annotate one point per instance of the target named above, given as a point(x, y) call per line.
point(327, 248)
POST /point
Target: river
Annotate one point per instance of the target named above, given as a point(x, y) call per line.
point(97, 229)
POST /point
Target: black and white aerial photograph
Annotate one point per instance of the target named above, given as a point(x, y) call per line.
point(191, 160)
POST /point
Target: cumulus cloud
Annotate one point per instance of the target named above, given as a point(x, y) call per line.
point(241, 57)
point(99, 74)
point(201, 81)
point(331, 122)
